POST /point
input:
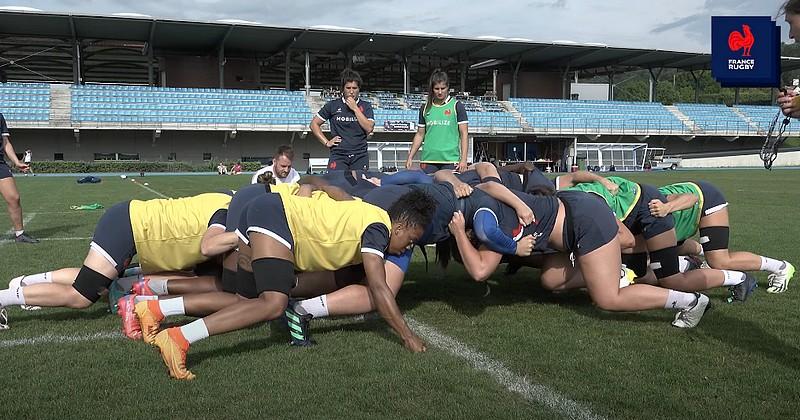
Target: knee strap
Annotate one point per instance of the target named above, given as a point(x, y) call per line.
point(273, 275)
point(90, 283)
point(228, 280)
point(246, 284)
point(636, 262)
point(714, 238)
point(664, 262)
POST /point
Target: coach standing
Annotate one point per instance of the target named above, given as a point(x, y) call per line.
point(8, 187)
point(351, 121)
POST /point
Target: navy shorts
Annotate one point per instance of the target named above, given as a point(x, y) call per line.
point(430, 168)
point(713, 199)
point(588, 222)
point(346, 162)
point(534, 180)
point(357, 187)
point(266, 215)
point(512, 180)
point(113, 236)
point(5, 171)
point(641, 222)
point(239, 203)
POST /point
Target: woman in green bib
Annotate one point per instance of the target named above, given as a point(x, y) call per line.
point(442, 127)
point(701, 206)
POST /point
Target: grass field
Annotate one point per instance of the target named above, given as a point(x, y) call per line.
point(742, 361)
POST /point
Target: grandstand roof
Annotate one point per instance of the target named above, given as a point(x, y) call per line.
point(241, 37)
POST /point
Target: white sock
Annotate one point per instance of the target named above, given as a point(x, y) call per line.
point(127, 282)
point(194, 331)
point(19, 232)
point(683, 264)
point(771, 265)
point(140, 298)
point(172, 306)
point(158, 286)
point(732, 278)
point(679, 300)
point(318, 306)
point(37, 278)
point(10, 297)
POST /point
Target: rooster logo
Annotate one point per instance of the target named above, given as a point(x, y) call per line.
point(447, 112)
point(737, 41)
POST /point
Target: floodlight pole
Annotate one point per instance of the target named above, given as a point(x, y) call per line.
point(514, 79)
point(288, 67)
point(464, 78)
point(405, 75)
point(221, 60)
point(308, 73)
point(696, 87)
point(76, 63)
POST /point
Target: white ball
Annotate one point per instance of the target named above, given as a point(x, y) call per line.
point(123, 176)
point(146, 184)
point(133, 180)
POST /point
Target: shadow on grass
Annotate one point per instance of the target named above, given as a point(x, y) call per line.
point(47, 232)
point(246, 346)
point(59, 314)
point(466, 297)
point(749, 337)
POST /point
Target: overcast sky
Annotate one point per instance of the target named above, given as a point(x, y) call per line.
point(681, 25)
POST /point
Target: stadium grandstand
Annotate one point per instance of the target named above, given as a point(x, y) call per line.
point(84, 87)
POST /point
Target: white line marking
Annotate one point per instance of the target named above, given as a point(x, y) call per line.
point(71, 238)
point(81, 212)
point(532, 392)
point(151, 190)
point(60, 339)
point(25, 220)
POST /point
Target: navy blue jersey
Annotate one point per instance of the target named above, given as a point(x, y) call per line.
point(4, 133)
point(343, 123)
point(385, 196)
point(545, 209)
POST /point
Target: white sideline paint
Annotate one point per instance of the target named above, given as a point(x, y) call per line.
point(532, 392)
point(25, 220)
point(151, 190)
point(70, 238)
point(59, 339)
